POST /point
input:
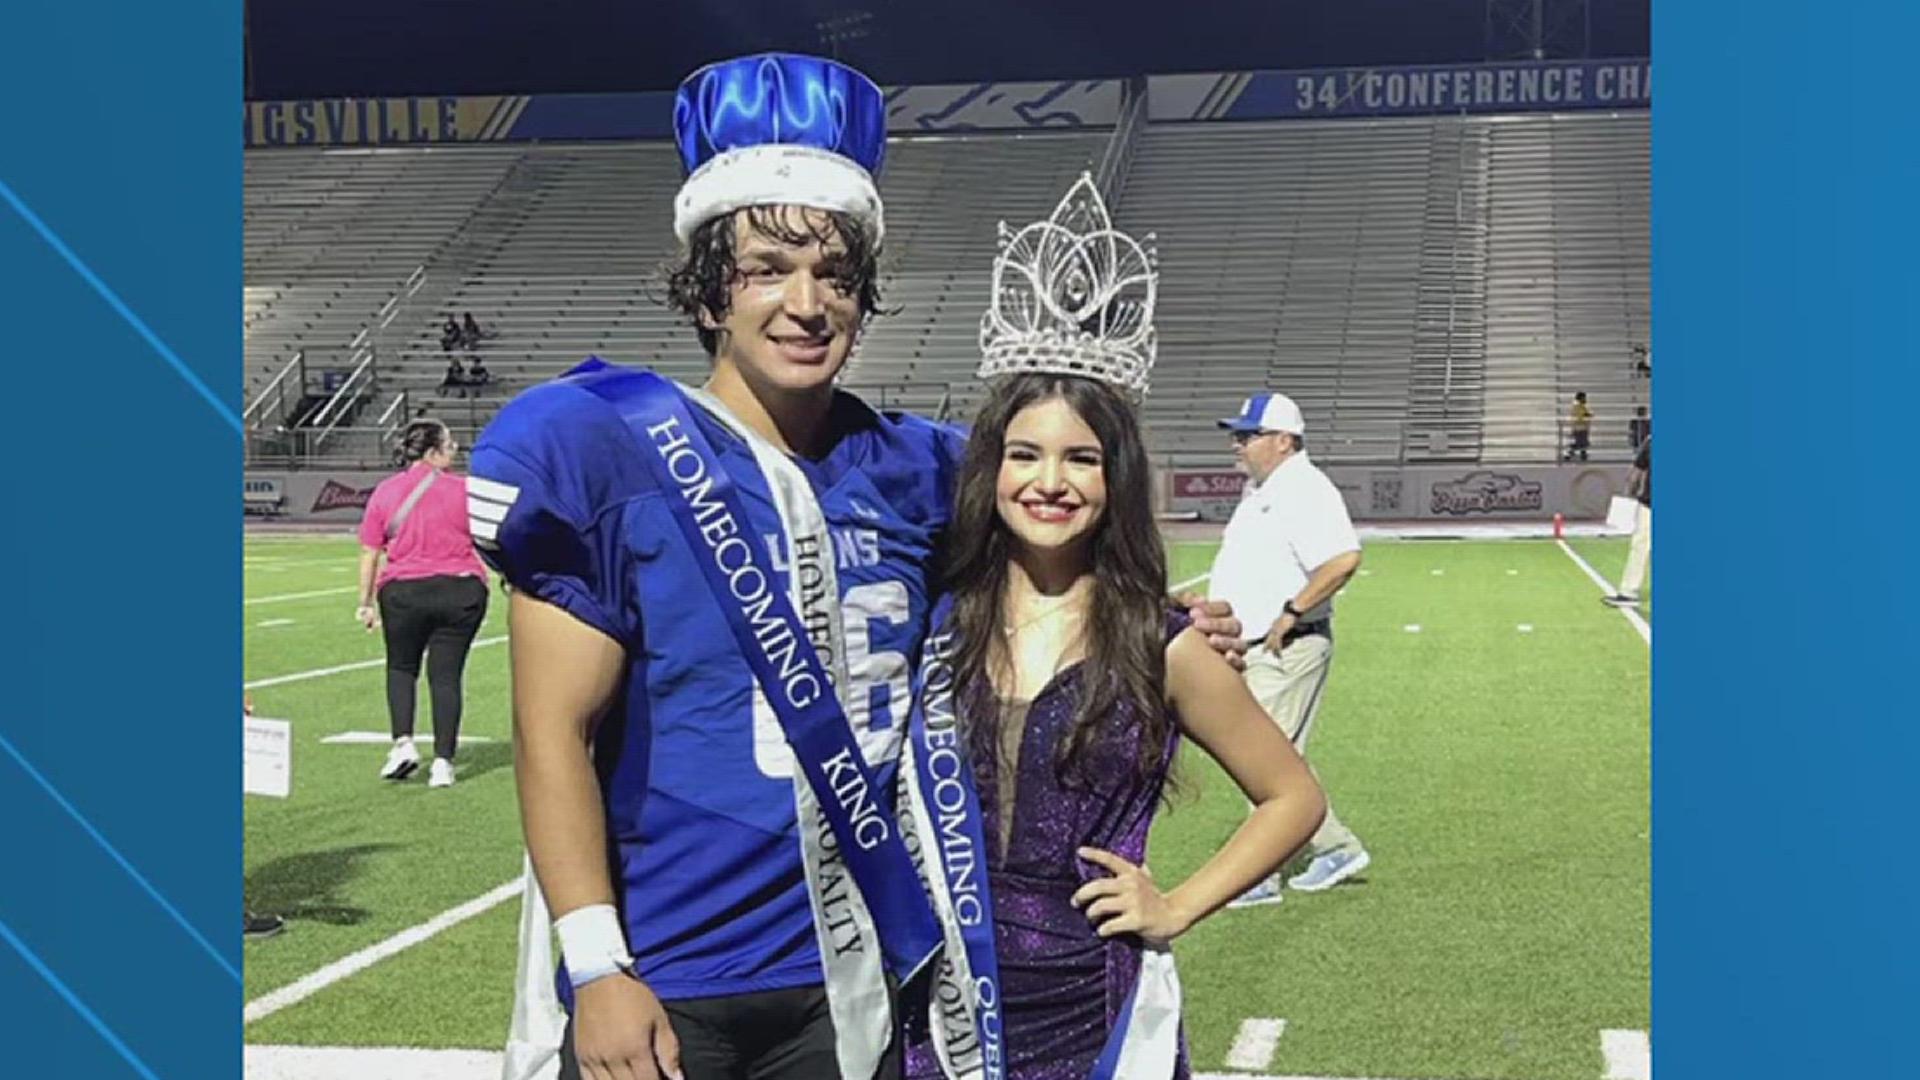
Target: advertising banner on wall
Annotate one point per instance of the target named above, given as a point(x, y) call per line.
point(1428, 492)
point(319, 495)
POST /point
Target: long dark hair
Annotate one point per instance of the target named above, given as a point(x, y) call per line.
point(701, 276)
point(1125, 625)
point(420, 438)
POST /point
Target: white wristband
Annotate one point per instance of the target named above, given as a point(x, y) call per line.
point(592, 944)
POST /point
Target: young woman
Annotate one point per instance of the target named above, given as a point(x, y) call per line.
point(1073, 686)
point(432, 593)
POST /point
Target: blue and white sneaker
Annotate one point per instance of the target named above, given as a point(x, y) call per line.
point(1266, 892)
point(1329, 870)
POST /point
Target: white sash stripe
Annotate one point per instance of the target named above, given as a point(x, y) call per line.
point(856, 985)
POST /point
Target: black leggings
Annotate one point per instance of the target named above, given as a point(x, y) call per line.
point(437, 616)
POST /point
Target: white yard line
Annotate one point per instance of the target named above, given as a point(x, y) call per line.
point(1218, 1076)
point(347, 966)
point(1189, 583)
point(1629, 1055)
point(276, 622)
point(358, 665)
point(381, 738)
point(369, 1063)
point(283, 597)
point(1606, 589)
point(398, 1063)
point(1254, 1044)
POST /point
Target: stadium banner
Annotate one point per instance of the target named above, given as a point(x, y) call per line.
point(1518, 86)
point(415, 121)
point(318, 494)
point(1003, 106)
point(1464, 492)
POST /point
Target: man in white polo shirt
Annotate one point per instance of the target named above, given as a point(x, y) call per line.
point(1288, 548)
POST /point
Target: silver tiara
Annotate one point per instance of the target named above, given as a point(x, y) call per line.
point(1072, 295)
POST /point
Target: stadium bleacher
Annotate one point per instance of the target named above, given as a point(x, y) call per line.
point(1429, 288)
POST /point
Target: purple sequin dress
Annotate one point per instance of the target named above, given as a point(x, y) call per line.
point(1063, 986)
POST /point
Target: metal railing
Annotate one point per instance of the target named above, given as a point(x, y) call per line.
point(271, 405)
point(356, 388)
point(394, 307)
point(395, 414)
point(1117, 161)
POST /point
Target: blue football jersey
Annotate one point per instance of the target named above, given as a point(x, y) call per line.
point(694, 766)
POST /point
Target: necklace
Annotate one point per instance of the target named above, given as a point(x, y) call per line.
point(1010, 629)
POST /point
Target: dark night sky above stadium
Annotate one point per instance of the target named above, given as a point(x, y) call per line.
point(366, 48)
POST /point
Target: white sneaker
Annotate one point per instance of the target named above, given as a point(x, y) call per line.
point(1266, 891)
point(441, 774)
point(1330, 869)
point(402, 760)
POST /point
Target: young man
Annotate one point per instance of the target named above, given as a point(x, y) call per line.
point(1288, 548)
point(725, 901)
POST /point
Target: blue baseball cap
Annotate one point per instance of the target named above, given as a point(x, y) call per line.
point(1267, 412)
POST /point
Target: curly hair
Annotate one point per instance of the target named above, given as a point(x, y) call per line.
point(701, 277)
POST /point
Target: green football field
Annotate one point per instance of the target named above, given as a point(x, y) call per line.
point(1485, 733)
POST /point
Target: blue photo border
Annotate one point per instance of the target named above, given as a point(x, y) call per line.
point(120, 949)
point(1785, 168)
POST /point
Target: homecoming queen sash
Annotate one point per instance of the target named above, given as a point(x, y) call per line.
point(869, 909)
point(968, 1034)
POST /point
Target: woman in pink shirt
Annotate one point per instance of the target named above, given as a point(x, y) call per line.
point(432, 592)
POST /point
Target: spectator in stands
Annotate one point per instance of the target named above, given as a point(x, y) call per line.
point(456, 377)
point(1642, 362)
point(450, 335)
point(1580, 424)
point(1640, 428)
point(1640, 486)
point(471, 332)
point(477, 373)
point(432, 594)
point(1288, 549)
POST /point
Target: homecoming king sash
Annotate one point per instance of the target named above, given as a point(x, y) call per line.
point(882, 917)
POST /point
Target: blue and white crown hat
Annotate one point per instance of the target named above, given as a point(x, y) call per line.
point(778, 129)
point(1267, 411)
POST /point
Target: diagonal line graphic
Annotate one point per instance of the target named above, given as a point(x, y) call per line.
point(166, 905)
point(119, 306)
point(73, 1000)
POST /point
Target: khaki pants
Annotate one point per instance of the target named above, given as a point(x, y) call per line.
point(1289, 688)
point(1638, 551)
